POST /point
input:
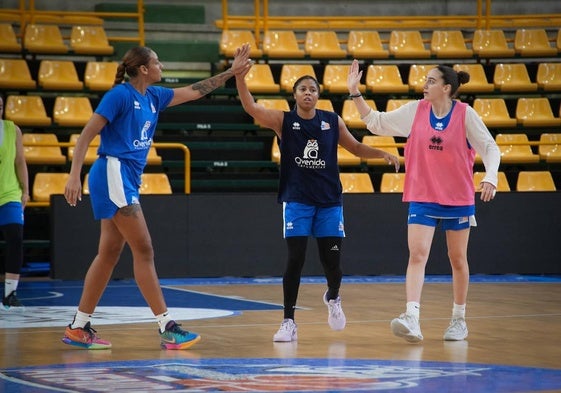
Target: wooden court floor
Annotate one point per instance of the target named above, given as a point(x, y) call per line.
point(510, 324)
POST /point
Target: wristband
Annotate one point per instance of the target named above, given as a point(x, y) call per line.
point(355, 95)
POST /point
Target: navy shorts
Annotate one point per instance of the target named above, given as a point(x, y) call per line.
point(307, 220)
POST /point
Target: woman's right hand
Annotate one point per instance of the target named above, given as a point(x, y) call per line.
point(354, 77)
point(73, 190)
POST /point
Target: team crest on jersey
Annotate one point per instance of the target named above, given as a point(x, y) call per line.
point(310, 158)
point(311, 150)
point(325, 126)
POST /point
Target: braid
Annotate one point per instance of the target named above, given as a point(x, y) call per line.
point(120, 75)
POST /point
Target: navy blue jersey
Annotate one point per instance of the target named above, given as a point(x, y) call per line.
point(309, 172)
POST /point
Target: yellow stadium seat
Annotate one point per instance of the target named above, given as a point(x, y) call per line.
point(385, 78)
point(366, 45)
point(383, 143)
point(325, 104)
point(335, 79)
point(394, 103)
point(280, 104)
point(491, 43)
point(44, 39)
point(37, 151)
point(90, 40)
point(418, 75)
point(477, 79)
point(558, 41)
point(275, 150)
point(502, 181)
point(535, 181)
point(449, 44)
point(58, 75)
point(153, 158)
point(323, 45)
point(550, 147)
point(155, 183)
point(533, 42)
point(345, 158)
point(291, 72)
point(356, 182)
point(72, 111)
point(493, 112)
point(91, 153)
point(392, 182)
point(26, 111)
point(513, 152)
point(351, 115)
point(100, 75)
point(15, 74)
point(548, 76)
point(407, 44)
point(233, 39)
point(259, 79)
point(281, 44)
point(513, 77)
point(46, 184)
point(536, 112)
point(8, 39)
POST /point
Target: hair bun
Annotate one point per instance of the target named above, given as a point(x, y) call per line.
point(463, 77)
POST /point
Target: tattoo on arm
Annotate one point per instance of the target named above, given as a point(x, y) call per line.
point(206, 86)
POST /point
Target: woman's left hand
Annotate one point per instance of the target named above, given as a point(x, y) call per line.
point(242, 63)
point(488, 191)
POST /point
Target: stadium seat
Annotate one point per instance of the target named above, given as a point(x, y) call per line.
point(90, 40)
point(335, 79)
point(356, 182)
point(407, 44)
point(46, 184)
point(384, 79)
point(418, 76)
point(392, 182)
point(100, 75)
point(535, 181)
point(365, 45)
point(37, 151)
point(449, 44)
point(513, 77)
point(291, 72)
point(72, 111)
point(477, 79)
point(351, 115)
point(8, 40)
point(260, 80)
point(233, 39)
point(558, 41)
point(280, 104)
point(346, 158)
point(151, 183)
point(493, 112)
point(490, 44)
point(58, 75)
point(275, 150)
point(15, 74)
point(548, 76)
point(512, 152)
point(44, 39)
point(533, 42)
point(325, 104)
point(91, 153)
point(394, 103)
point(26, 111)
point(502, 181)
point(323, 45)
point(281, 44)
point(536, 112)
point(381, 142)
point(550, 147)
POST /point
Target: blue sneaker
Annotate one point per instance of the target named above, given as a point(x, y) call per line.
point(176, 338)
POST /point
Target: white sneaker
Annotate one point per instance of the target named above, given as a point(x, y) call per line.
point(287, 332)
point(407, 327)
point(457, 331)
point(336, 316)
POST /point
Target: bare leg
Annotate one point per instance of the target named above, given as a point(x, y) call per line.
point(457, 242)
point(419, 241)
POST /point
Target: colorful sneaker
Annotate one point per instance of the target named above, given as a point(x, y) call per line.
point(287, 332)
point(11, 302)
point(457, 331)
point(407, 327)
point(84, 338)
point(336, 316)
point(176, 338)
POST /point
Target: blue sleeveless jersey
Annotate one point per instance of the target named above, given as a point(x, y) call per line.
point(309, 172)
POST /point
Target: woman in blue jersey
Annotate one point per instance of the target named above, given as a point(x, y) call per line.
point(126, 119)
point(14, 194)
point(310, 190)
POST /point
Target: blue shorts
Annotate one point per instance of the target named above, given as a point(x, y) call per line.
point(112, 186)
point(11, 213)
point(306, 220)
point(447, 224)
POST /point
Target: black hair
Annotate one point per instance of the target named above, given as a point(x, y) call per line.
point(453, 78)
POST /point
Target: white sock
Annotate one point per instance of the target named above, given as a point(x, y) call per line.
point(10, 285)
point(414, 309)
point(80, 320)
point(459, 311)
point(163, 320)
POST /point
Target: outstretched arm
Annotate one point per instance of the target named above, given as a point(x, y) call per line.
point(353, 81)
